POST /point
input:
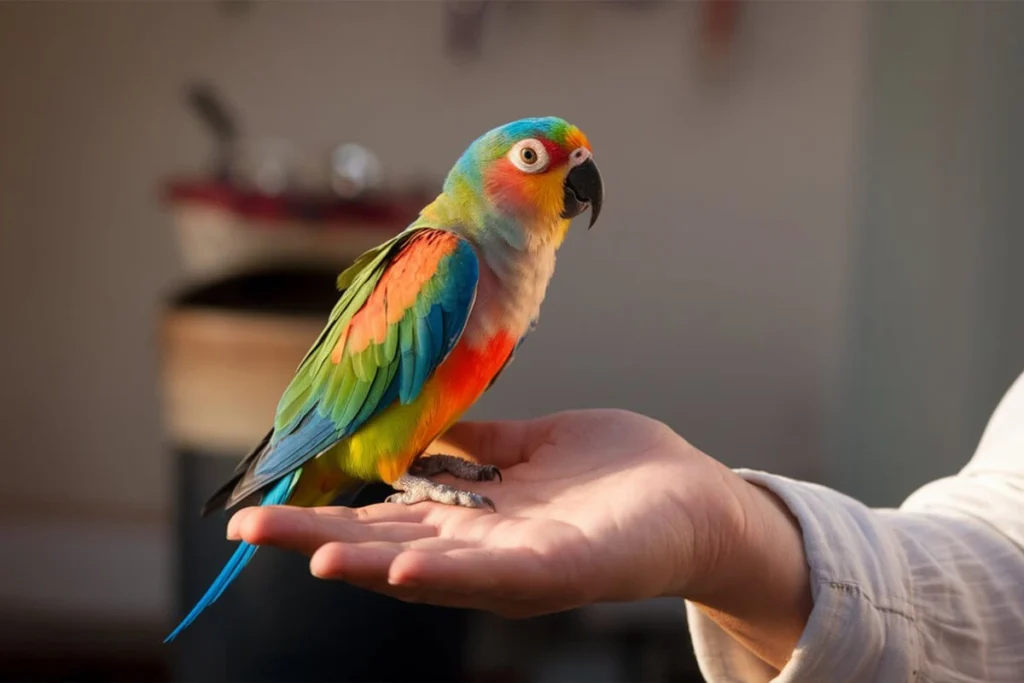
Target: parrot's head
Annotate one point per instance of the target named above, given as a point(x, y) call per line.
point(535, 173)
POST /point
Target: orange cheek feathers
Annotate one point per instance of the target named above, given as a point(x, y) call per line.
point(537, 196)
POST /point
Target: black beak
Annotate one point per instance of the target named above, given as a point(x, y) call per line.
point(583, 188)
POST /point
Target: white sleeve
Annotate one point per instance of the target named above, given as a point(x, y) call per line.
point(931, 592)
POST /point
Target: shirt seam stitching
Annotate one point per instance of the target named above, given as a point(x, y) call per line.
point(855, 589)
point(915, 629)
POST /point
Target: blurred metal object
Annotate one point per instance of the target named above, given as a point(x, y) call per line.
point(464, 20)
point(269, 165)
point(203, 98)
point(355, 170)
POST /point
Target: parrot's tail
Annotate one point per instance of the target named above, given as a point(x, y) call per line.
point(241, 557)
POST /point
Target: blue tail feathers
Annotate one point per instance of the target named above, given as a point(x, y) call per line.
point(241, 557)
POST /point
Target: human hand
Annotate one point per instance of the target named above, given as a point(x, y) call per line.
point(594, 506)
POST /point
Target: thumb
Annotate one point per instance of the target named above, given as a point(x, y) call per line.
point(499, 443)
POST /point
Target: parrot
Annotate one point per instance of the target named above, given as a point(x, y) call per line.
point(423, 326)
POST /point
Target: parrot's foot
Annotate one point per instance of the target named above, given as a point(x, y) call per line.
point(429, 465)
point(413, 489)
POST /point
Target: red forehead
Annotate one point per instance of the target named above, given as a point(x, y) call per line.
point(559, 153)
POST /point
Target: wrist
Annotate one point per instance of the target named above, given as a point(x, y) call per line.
point(758, 587)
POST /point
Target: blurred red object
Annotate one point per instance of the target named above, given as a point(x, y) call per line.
point(720, 18)
point(718, 30)
point(327, 210)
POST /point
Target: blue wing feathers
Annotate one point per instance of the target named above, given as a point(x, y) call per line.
point(407, 367)
point(314, 433)
point(424, 356)
point(435, 323)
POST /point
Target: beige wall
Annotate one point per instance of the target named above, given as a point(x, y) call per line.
point(936, 332)
point(711, 294)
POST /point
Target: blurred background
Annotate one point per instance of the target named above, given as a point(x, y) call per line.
point(808, 263)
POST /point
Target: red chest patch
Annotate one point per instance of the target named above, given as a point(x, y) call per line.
point(468, 371)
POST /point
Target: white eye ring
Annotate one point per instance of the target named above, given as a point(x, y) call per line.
point(529, 156)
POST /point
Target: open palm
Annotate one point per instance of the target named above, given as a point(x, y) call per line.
point(593, 506)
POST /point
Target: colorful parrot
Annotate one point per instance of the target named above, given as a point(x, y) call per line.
point(424, 325)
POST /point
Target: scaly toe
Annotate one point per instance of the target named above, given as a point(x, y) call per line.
point(404, 498)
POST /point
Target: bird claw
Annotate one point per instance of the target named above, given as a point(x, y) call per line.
point(414, 489)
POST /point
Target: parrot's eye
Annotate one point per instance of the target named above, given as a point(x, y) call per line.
point(529, 156)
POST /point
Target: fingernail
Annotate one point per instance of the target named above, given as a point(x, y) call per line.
point(316, 567)
point(235, 525)
point(404, 581)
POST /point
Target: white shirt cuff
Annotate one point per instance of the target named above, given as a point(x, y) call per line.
point(862, 626)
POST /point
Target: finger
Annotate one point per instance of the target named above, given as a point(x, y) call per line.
point(369, 566)
point(505, 608)
point(235, 521)
point(448, 599)
point(382, 512)
point(371, 560)
point(364, 564)
point(305, 531)
point(503, 574)
point(378, 512)
point(494, 443)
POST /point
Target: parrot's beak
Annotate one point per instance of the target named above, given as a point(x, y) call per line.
point(583, 188)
